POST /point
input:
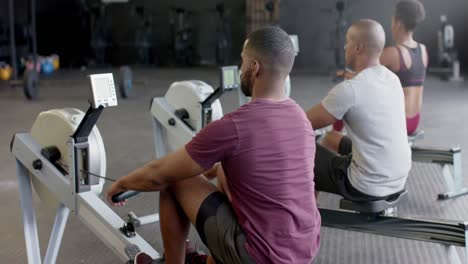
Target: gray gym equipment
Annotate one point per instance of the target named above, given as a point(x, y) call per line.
point(125, 81)
point(61, 167)
point(450, 161)
point(287, 84)
point(143, 36)
point(30, 81)
point(342, 8)
point(186, 108)
point(223, 36)
point(447, 57)
point(183, 35)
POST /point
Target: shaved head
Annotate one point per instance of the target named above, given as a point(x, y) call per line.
point(370, 34)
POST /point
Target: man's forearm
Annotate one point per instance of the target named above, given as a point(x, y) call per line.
point(319, 117)
point(144, 179)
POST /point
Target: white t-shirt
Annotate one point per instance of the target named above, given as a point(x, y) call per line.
point(372, 107)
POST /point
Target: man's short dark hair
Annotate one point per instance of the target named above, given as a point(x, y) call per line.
point(273, 46)
point(411, 13)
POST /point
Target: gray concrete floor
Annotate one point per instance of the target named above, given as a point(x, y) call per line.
point(128, 136)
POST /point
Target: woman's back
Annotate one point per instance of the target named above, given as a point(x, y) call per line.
point(409, 63)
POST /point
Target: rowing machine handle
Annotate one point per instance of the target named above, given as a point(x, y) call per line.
point(123, 196)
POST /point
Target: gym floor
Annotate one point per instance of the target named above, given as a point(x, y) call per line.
point(128, 136)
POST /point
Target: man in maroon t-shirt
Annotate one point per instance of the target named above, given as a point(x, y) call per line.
point(263, 156)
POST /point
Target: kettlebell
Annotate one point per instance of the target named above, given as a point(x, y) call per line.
point(5, 72)
point(55, 61)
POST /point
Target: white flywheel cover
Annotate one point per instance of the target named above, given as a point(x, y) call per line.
point(189, 95)
point(53, 128)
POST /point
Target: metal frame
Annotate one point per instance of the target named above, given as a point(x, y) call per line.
point(166, 122)
point(448, 233)
point(450, 73)
point(451, 162)
point(89, 208)
point(29, 215)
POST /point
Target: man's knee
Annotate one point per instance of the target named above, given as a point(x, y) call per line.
point(191, 193)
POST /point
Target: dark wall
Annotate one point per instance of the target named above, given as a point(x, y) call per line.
point(21, 16)
point(124, 22)
point(20, 7)
point(62, 29)
point(204, 18)
point(312, 20)
point(314, 23)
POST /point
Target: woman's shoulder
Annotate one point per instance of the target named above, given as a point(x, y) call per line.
point(391, 58)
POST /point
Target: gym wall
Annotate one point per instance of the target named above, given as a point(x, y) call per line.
point(61, 29)
point(314, 22)
point(123, 22)
point(205, 19)
point(21, 13)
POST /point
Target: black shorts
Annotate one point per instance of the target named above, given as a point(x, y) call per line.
point(331, 173)
point(219, 229)
point(346, 146)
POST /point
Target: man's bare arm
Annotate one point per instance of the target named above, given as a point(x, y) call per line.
point(319, 117)
point(158, 174)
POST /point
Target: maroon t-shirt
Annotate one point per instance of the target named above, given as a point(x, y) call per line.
point(267, 150)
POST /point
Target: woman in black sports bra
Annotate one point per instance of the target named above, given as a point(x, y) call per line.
point(408, 59)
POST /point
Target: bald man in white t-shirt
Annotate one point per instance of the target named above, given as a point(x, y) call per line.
point(373, 161)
